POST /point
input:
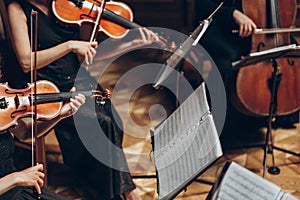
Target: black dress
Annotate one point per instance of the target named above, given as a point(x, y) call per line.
point(108, 182)
point(223, 46)
point(7, 166)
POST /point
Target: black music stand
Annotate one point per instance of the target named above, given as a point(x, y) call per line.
point(175, 61)
point(272, 54)
point(185, 145)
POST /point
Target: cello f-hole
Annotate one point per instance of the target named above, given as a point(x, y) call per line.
point(291, 62)
point(260, 45)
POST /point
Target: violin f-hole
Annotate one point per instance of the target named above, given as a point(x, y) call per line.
point(14, 113)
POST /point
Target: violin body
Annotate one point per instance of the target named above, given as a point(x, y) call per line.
point(72, 12)
point(15, 104)
point(252, 89)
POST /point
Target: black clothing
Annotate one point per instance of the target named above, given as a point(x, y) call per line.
point(7, 166)
point(223, 46)
point(62, 72)
point(26, 193)
point(6, 154)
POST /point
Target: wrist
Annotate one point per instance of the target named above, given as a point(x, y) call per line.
point(15, 180)
point(235, 13)
point(70, 46)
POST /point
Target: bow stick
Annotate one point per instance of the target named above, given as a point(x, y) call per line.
point(39, 158)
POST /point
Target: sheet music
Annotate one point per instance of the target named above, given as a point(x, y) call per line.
point(185, 144)
point(274, 50)
point(287, 196)
point(240, 183)
point(278, 52)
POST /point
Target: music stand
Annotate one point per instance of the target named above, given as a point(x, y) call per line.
point(272, 54)
point(175, 60)
point(185, 145)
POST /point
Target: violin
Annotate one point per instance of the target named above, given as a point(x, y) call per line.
point(18, 103)
point(112, 18)
point(116, 17)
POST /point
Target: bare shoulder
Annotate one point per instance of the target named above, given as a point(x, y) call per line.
point(15, 11)
point(14, 6)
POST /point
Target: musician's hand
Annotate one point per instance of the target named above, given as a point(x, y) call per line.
point(146, 37)
point(72, 106)
point(86, 50)
point(32, 176)
point(247, 26)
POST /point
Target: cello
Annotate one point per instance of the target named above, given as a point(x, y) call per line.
point(252, 92)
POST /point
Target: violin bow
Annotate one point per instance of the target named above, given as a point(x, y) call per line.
point(272, 30)
point(97, 22)
point(37, 157)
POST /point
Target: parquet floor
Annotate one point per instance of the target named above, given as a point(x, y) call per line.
point(251, 158)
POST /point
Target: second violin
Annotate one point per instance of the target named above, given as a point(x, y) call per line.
point(15, 104)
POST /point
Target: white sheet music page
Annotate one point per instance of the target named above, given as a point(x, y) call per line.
point(240, 183)
point(288, 196)
point(185, 144)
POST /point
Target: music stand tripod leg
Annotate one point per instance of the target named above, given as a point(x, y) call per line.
point(268, 148)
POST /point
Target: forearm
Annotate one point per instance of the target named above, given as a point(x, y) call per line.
point(44, 57)
point(7, 183)
point(113, 48)
point(23, 130)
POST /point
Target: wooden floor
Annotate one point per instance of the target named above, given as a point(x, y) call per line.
point(251, 158)
point(243, 147)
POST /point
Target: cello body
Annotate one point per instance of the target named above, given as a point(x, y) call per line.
point(251, 94)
